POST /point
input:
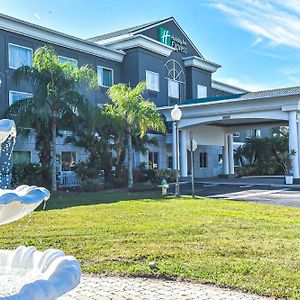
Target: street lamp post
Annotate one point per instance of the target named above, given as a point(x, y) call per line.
point(176, 116)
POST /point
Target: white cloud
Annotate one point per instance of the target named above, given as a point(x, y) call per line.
point(37, 16)
point(276, 21)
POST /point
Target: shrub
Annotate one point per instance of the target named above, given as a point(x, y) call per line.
point(145, 186)
point(91, 185)
point(167, 174)
point(30, 174)
point(86, 171)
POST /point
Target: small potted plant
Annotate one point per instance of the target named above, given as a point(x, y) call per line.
point(285, 162)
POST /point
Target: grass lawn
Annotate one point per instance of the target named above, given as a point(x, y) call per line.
point(242, 245)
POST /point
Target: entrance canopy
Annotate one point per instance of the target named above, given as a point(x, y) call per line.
point(212, 120)
point(240, 111)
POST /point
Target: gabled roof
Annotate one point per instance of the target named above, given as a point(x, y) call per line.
point(138, 29)
point(126, 30)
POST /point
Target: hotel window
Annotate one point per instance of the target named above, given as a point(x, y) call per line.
point(201, 91)
point(153, 160)
point(170, 162)
point(19, 56)
point(220, 158)
point(203, 159)
point(152, 81)
point(249, 133)
point(68, 160)
point(17, 96)
point(173, 88)
point(22, 157)
point(105, 76)
point(64, 59)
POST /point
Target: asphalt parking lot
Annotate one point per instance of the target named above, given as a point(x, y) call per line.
point(284, 196)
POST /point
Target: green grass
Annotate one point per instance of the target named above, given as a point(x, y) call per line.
point(241, 245)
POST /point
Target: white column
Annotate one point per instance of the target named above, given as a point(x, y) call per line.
point(293, 142)
point(225, 156)
point(174, 146)
point(230, 154)
point(183, 154)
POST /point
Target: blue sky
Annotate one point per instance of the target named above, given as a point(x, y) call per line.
point(257, 42)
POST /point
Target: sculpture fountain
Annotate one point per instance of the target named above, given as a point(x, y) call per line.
point(25, 273)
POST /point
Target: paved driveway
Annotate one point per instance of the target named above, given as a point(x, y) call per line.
point(287, 196)
point(121, 288)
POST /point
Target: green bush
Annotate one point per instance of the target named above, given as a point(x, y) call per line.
point(145, 186)
point(167, 174)
point(86, 171)
point(30, 174)
point(91, 185)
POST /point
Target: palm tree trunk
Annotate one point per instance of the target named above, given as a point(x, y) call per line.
point(53, 129)
point(130, 176)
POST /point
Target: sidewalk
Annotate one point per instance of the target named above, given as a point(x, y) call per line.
point(96, 288)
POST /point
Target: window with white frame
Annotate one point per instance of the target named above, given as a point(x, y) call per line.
point(19, 56)
point(68, 161)
point(152, 81)
point(249, 133)
point(173, 88)
point(22, 157)
point(17, 96)
point(105, 76)
point(201, 91)
point(203, 159)
point(236, 134)
point(64, 59)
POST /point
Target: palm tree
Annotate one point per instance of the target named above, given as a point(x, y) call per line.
point(136, 115)
point(56, 100)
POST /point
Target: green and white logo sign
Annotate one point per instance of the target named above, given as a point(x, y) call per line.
point(164, 36)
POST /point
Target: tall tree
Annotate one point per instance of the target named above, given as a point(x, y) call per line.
point(136, 115)
point(56, 99)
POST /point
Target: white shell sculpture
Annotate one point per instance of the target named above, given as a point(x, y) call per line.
point(15, 204)
point(25, 273)
point(28, 274)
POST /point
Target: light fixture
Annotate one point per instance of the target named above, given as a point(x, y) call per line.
point(176, 115)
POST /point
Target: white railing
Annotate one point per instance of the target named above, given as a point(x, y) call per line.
point(68, 179)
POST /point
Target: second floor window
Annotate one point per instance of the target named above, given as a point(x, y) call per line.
point(173, 88)
point(17, 96)
point(64, 59)
point(105, 76)
point(201, 91)
point(19, 56)
point(152, 81)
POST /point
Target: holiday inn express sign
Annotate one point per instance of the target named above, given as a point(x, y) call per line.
point(166, 37)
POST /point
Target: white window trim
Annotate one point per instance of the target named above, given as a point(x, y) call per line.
point(112, 76)
point(148, 71)
point(16, 92)
point(12, 44)
point(69, 58)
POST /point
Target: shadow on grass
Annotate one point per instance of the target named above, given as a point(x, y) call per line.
point(62, 200)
